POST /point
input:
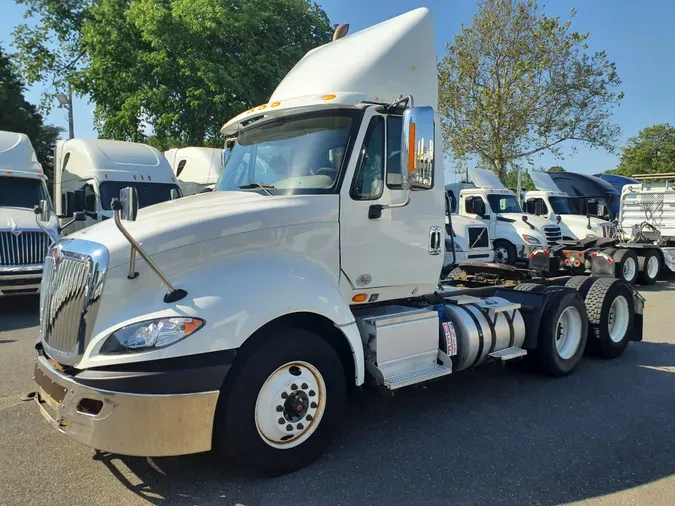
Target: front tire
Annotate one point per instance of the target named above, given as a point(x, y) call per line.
point(505, 252)
point(283, 405)
point(562, 332)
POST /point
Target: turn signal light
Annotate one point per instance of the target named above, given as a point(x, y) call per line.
point(359, 297)
point(411, 147)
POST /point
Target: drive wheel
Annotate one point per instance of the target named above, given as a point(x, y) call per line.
point(562, 332)
point(581, 284)
point(611, 309)
point(650, 266)
point(505, 252)
point(530, 287)
point(626, 263)
point(283, 405)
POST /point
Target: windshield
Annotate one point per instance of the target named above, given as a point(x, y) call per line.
point(504, 204)
point(301, 154)
point(560, 205)
point(21, 192)
point(148, 193)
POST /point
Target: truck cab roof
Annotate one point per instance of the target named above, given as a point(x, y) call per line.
point(196, 164)
point(17, 156)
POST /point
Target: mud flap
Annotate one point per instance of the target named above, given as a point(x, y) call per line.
point(602, 266)
point(542, 261)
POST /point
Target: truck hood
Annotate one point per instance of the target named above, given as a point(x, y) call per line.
point(537, 221)
point(24, 219)
point(578, 224)
point(203, 217)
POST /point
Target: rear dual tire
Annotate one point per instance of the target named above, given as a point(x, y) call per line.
point(649, 265)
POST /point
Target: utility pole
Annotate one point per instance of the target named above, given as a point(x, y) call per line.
point(66, 102)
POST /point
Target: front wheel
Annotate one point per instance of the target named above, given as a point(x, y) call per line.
point(283, 405)
point(505, 252)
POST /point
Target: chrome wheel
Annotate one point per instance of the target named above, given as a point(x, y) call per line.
point(290, 405)
point(653, 267)
point(618, 319)
point(629, 269)
point(568, 332)
point(501, 255)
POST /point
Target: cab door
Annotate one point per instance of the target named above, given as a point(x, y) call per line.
point(397, 252)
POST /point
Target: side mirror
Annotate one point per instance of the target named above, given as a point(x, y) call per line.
point(206, 190)
point(129, 203)
point(78, 200)
point(174, 194)
point(478, 207)
point(417, 147)
point(42, 211)
point(79, 216)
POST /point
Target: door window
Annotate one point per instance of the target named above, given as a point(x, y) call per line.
point(89, 198)
point(537, 206)
point(369, 176)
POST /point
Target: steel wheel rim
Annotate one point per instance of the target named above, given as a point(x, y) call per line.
point(501, 255)
point(290, 405)
point(617, 323)
point(652, 267)
point(629, 269)
point(568, 332)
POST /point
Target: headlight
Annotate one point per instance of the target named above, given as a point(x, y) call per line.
point(150, 335)
point(531, 240)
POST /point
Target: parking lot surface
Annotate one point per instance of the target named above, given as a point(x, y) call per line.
point(494, 435)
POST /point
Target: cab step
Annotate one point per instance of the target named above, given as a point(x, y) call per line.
point(508, 354)
point(420, 375)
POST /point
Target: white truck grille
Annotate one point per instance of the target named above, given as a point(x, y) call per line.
point(70, 294)
point(553, 234)
point(26, 248)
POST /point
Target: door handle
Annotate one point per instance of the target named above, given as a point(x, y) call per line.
point(435, 239)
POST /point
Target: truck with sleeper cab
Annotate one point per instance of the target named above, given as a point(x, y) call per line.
point(237, 320)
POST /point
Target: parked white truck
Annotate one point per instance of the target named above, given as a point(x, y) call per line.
point(88, 173)
point(252, 310)
point(196, 168)
point(23, 245)
point(549, 202)
point(514, 234)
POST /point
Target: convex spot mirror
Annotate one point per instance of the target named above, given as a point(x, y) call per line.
point(174, 194)
point(417, 147)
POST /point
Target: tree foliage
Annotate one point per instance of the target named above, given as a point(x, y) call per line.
point(517, 82)
point(652, 151)
point(18, 115)
point(171, 72)
point(556, 168)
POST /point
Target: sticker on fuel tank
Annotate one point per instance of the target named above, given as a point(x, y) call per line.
point(450, 339)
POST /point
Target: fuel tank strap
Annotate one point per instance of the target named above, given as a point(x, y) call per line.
point(512, 332)
point(493, 330)
point(479, 328)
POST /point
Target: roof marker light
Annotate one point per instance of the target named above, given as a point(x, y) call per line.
point(328, 97)
point(275, 104)
point(261, 107)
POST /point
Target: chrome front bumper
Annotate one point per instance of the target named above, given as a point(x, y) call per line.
point(20, 280)
point(128, 424)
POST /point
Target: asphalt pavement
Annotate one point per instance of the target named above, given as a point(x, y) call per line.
point(494, 435)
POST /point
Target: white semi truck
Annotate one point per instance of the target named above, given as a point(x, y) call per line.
point(88, 173)
point(23, 245)
point(549, 202)
point(514, 234)
point(252, 309)
point(196, 168)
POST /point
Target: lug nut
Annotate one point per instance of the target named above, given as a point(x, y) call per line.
point(280, 409)
point(312, 393)
point(294, 386)
point(282, 421)
point(289, 427)
point(309, 418)
point(300, 426)
point(305, 386)
point(314, 405)
point(284, 395)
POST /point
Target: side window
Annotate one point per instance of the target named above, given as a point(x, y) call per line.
point(394, 177)
point(65, 160)
point(369, 176)
point(181, 166)
point(89, 198)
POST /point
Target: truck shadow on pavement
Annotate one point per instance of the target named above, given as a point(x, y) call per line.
point(487, 436)
point(19, 312)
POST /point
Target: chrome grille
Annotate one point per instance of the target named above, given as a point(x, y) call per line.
point(27, 248)
point(70, 293)
point(553, 234)
point(608, 230)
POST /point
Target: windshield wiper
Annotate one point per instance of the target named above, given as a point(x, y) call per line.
point(251, 186)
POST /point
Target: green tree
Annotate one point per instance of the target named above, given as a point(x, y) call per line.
point(511, 179)
point(652, 151)
point(517, 82)
point(19, 115)
point(556, 168)
point(172, 72)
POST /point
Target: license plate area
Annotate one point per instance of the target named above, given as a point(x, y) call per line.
point(49, 387)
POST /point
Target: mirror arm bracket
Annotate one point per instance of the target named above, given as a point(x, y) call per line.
point(375, 211)
point(37, 212)
point(174, 293)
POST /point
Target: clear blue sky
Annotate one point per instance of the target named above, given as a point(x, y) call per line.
point(639, 35)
